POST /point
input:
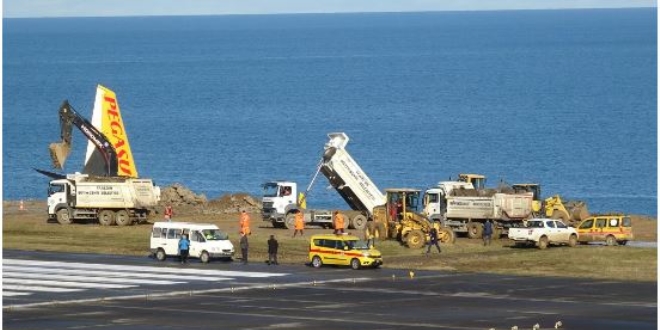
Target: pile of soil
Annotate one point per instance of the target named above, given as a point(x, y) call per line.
point(185, 201)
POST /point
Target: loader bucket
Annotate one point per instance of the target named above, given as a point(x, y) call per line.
point(59, 151)
point(578, 210)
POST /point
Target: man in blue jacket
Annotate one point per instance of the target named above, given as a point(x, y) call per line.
point(184, 246)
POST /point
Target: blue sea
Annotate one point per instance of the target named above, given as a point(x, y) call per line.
point(221, 104)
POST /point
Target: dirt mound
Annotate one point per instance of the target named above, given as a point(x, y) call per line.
point(177, 194)
point(185, 201)
point(232, 203)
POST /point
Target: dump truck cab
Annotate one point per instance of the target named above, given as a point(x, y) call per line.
point(279, 197)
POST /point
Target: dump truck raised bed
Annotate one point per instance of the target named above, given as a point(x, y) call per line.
point(108, 200)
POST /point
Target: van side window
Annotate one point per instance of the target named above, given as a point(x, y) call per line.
point(587, 224)
point(163, 232)
point(195, 237)
point(614, 222)
point(550, 224)
point(561, 225)
point(627, 222)
point(174, 233)
point(155, 232)
point(601, 222)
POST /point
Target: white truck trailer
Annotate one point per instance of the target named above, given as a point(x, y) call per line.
point(459, 206)
point(108, 200)
point(281, 199)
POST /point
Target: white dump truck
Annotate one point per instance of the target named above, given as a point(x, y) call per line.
point(281, 199)
point(108, 200)
point(457, 205)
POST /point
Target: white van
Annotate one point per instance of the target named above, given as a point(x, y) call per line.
point(207, 241)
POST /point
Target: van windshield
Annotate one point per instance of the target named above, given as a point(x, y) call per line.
point(214, 235)
point(357, 245)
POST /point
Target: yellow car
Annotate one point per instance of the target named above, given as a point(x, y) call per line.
point(343, 250)
point(611, 229)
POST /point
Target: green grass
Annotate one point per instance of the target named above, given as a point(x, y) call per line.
point(601, 262)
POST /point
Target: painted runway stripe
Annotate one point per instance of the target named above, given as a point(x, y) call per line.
point(14, 293)
point(79, 285)
point(113, 277)
point(37, 288)
point(127, 268)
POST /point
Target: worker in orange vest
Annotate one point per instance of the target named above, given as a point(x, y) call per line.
point(244, 223)
point(339, 223)
point(299, 223)
point(169, 212)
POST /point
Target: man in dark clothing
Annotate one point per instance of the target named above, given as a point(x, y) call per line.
point(488, 232)
point(272, 250)
point(244, 247)
point(433, 240)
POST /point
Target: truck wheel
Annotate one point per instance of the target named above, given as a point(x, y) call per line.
point(63, 217)
point(446, 236)
point(497, 233)
point(289, 221)
point(543, 243)
point(359, 222)
point(475, 230)
point(316, 262)
point(123, 219)
point(355, 264)
point(415, 239)
point(160, 255)
point(610, 240)
point(379, 232)
point(204, 258)
point(106, 218)
point(572, 241)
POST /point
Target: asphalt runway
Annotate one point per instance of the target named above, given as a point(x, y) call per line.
point(83, 291)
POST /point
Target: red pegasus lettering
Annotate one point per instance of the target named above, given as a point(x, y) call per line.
point(116, 127)
point(112, 102)
point(124, 167)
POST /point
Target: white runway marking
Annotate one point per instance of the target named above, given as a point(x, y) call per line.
point(26, 277)
point(12, 287)
point(97, 276)
point(127, 268)
point(66, 284)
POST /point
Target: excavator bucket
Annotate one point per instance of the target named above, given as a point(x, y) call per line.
point(59, 151)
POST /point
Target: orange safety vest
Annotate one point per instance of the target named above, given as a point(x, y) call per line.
point(168, 212)
point(300, 223)
point(339, 221)
point(244, 223)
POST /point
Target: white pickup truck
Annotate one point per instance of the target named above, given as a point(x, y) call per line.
point(543, 232)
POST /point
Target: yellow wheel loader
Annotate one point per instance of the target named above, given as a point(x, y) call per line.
point(400, 219)
point(571, 213)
